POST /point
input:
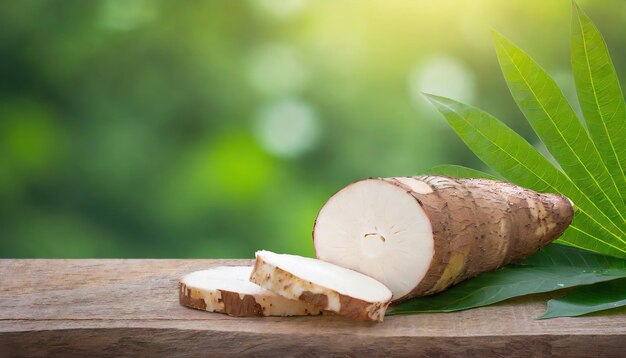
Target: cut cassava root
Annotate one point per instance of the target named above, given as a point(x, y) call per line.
point(327, 286)
point(228, 289)
point(381, 239)
point(420, 235)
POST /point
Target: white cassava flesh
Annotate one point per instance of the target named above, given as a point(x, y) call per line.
point(228, 289)
point(325, 285)
point(420, 235)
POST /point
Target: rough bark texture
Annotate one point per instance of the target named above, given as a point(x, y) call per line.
point(220, 301)
point(243, 305)
point(190, 298)
point(287, 285)
point(86, 308)
point(480, 225)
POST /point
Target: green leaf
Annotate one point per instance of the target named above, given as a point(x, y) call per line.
point(556, 124)
point(587, 299)
point(600, 95)
point(592, 176)
point(459, 171)
point(516, 160)
point(553, 268)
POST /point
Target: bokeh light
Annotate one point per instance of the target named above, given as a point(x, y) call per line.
point(281, 9)
point(136, 128)
point(287, 127)
point(444, 76)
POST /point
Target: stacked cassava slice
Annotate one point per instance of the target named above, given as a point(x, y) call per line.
point(325, 285)
point(379, 240)
point(227, 289)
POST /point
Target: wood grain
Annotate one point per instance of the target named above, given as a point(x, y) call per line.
point(130, 307)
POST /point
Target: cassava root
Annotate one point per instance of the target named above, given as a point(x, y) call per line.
point(420, 235)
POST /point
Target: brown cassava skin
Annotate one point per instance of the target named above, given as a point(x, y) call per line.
point(232, 303)
point(287, 285)
point(480, 225)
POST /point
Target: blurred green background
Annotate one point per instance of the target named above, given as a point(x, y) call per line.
point(133, 128)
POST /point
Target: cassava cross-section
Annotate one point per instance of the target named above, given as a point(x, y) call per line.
point(420, 235)
point(327, 286)
point(228, 289)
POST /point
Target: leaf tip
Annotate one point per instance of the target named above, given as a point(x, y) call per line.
point(577, 14)
point(575, 7)
point(580, 14)
point(495, 35)
point(500, 41)
point(433, 98)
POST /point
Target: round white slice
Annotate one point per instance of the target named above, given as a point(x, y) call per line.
point(227, 289)
point(325, 285)
point(380, 229)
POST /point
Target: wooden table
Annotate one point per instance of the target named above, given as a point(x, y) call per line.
point(113, 307)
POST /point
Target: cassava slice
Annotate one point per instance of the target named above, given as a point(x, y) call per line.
point(228, 289)
point(327, 286)
point(420, 235)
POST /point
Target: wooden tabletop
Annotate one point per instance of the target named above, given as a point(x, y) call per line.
point(113, 307)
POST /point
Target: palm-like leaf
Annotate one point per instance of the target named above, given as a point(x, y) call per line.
point(600, 96)
point(593, 173)
point(516, 160)
point(556, 123)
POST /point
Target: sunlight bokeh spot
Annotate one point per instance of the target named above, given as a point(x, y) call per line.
point(287, 128)
point(281, 9)
point(444, 76)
